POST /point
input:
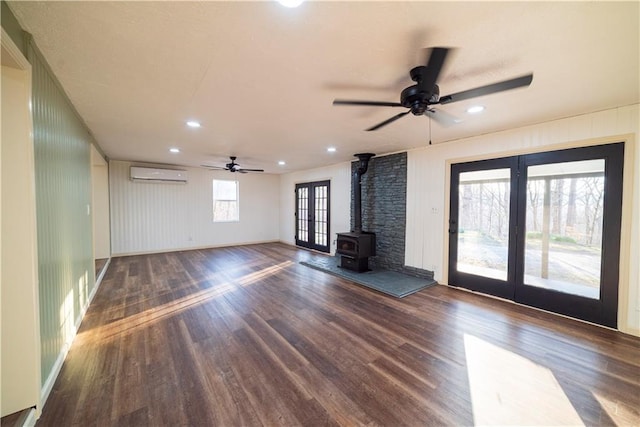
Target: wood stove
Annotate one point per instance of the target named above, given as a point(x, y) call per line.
point(355, 250)
point(357, 246)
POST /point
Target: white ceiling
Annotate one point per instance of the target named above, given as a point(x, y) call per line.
point(261, 78)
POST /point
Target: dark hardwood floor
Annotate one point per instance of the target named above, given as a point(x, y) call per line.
point(248, 336)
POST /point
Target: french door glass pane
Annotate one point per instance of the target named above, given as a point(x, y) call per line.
point(303, 214)
point(483, 222)
point(563, 246)
point(321, 199)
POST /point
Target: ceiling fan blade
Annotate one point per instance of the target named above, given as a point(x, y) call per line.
point(370, 103)
point(443, 118)
point(249, 170)
point(489, 89)
point(213, 167)
point(386, 122)
point(434, 66)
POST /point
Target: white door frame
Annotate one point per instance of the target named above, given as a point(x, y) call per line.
point(21, 376)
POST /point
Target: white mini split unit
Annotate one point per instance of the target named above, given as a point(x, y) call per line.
point(158, 175)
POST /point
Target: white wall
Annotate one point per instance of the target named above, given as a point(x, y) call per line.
point(151, 217)
point(428, 190)
point(100, 205)
point(340, 177)
point(20, 353)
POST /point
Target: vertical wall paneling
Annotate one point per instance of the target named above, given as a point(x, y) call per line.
point(152, 216)
point(428, 189)
point(62, 147)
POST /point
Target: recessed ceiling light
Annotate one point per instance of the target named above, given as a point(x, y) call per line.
point(475, 109)
point(290, 3)
point(281, 163)
point(174, 150)
point(193, 124)
point(331, 149)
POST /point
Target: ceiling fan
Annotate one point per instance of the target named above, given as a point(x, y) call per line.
point(420, 97)
point(232, 167)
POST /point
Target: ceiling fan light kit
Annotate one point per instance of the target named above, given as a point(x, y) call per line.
point(420, 97)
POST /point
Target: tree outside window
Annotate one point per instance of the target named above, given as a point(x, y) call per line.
point(225, 201)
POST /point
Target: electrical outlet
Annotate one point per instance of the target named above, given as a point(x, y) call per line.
point(434, 210)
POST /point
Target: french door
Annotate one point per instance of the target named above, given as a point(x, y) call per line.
point(312, 215)
point(541, 229)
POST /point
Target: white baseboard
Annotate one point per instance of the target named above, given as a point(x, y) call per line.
point(99, 280)
point(31, 419)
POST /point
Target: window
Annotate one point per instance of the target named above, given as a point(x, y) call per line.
point(225, 201)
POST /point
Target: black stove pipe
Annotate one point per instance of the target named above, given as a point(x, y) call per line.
point(361, 169)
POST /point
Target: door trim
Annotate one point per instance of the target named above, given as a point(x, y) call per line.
point(21, 356)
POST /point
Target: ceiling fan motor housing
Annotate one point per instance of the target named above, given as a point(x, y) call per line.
point(417, 99)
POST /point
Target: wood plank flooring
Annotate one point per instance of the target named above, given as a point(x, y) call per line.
point(248, 336)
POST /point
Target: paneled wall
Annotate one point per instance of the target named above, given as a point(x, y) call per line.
point(152, 217)
point(340, 177)
point(428, 189)
point(63, 197)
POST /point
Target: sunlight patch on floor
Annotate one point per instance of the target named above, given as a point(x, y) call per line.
point(148, 317)
point(508, 389)
point(265, 272)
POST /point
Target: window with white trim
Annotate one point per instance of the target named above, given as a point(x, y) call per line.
point(225, 201)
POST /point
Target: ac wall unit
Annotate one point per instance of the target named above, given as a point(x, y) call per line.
point(157, 175)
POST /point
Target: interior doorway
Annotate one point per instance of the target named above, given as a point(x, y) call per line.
point(100, 213)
